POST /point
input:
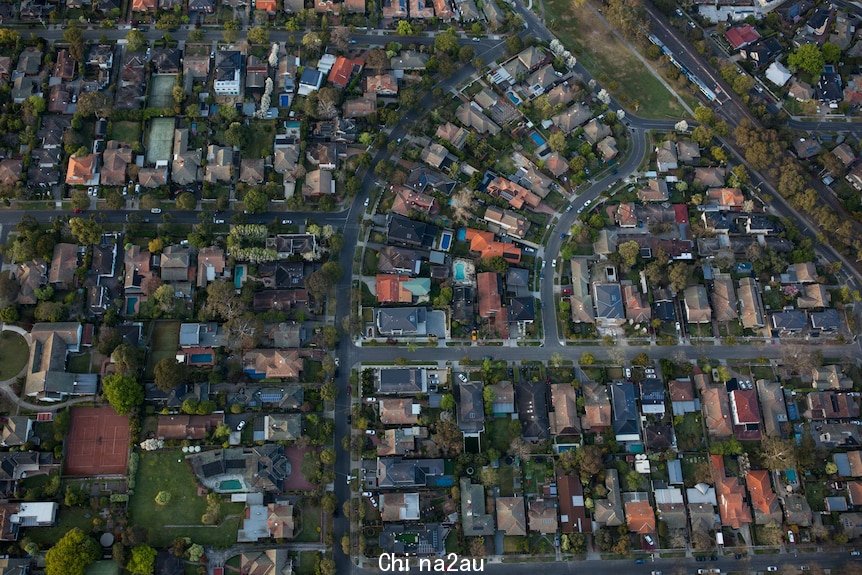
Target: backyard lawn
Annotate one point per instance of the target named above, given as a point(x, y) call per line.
point(260, 143)
point(128, 132)
point(166, 340)
point(168, 471)
point(610, 61)
point(689, 431)
point(307, 562)
point(310, 524)
point(67, 518)
point(103, 568)
point(501, 432)
point(80, 363)
point(13, 354)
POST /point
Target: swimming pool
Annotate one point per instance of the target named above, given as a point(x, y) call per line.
point(459, 271)
point(230, 485)
point(445, 241)
point(201, 358)
point(513, 98)
point(537, 138)
point(131, 304)
point(790, 474)
point(238, 276)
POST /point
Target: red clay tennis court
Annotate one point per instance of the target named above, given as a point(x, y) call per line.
point(98, 442)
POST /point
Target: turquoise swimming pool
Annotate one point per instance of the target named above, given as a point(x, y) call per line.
point(131, 304)
point(238, 276)
point(537, 138)
point(230, 485)
point(459, 271)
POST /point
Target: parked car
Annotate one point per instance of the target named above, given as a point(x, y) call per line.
point(370, 432)
point(241, 425)
point(639, 561)
point(462, 377)
point(772, 568)
point(156, 211)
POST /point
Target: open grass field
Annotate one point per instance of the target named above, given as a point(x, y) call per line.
point(13, 354)
point(262, 133)
point(610, 61)
point(168, 471)
point(67, 519)
point(128, 132)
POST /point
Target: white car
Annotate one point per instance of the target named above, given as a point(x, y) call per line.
point(370, 432)
point(772, 568)
point(366, 202)
point(241, 425)
point(286, 222)
point(156, 211)
point(218, 221)
point(855, 553)
point(462, 377)
point(554, 263)
point(366, 494)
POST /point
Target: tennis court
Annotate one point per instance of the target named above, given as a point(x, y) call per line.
point(162, 90)
point(160, 140)
point(98, 442)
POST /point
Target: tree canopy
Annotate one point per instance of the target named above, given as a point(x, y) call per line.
point(168, 373)
point(72, 554)
point(123, 392)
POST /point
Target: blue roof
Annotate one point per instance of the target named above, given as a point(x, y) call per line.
point(674, 472)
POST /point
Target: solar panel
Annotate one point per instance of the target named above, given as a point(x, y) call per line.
point(272, 397)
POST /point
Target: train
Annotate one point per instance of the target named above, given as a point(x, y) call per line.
point(709, 94)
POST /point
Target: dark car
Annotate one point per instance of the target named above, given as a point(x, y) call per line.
point(700, 558)
point(639, 561)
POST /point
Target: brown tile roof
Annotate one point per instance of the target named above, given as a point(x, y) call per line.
point(63, 265)
point(382, 84)
point(727, 197)
point(564, 418)
point(390, 289)
point(80, 169)
point(573, 513)
point(483, 243)
point(640, 517)
point(280, 520)
point(488, 287)
point(636, 304)
point(407, 200)
point(831, 405)
point(398, 411)
point(731, 496)
point(542, 516)
point(680, 389)
point(273, 363)
point(723, 298)
point(114, 161)
point(360, 107)
point(763, 497)
point(187, 426)
point(855, 490)
point(597, 405)
point(513, 193)
point(511, 517)
point(10, 171)
point(716, 412)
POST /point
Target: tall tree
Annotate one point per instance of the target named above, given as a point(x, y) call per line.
point(123, 392)
point(72, 554)
point(169, 373)
point(86, 231)
point(142, 561)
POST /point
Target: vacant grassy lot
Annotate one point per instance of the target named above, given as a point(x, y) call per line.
point(168, 471)
point(128, 132)
point(261, 135)
point(166, 341)
point(310, 524)
point(13, 354)
point(610, 61)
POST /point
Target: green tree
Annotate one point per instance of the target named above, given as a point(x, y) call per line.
point(831, 53)
point(557, 141)
point(629, 252)
point(80, 200)
point(446, 42)
point(258, 35)
point(127, 358)
point(587, 359)
point(256, 201)
point(73, 35)
point(135, 40)
point(72, 554)
point(163, 498)
point(50, 311)
point(143, 560)
point(85, 231)
point(168, 373)
point(404, 28)
point(186, 201)
point(235, 135)
point(447, 402)
point(123, 392)
point(807, 57)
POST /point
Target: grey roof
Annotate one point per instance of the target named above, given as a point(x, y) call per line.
point(609, 301)
point(471, 408)
point(399, 472)
point(401, 320)
point(625, 409)
point(826, 320)
point(475, 520)
point(789, 320)
point(408, 380)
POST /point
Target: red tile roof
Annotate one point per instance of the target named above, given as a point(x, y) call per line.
point(640, 517)
point(740, 36)
point(483, 243)
point(342, 71)
point(743, 404)
point(760, 490)
point(490, 302)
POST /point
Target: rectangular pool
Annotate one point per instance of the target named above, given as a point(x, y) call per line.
point(201, 358)
point(537, 138)
point(131, 305)
point(230, 485)
point(459, 272)
point(445, 241)
point(238, 276)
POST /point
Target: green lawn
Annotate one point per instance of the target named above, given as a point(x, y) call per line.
point(168, 471)
point(689, 431)
point(128, 132)
point(610, 61)
point(80, 363)
point(103, 568)
point(259, 145)
point(307, 562)
point(310, 524)
point(13, 354)
point(500, 433)
point(166, 341)
point(67, 519)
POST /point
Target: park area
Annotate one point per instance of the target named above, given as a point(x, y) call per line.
point(181, 516)
point(160, 140)
point(580, 28)
point(13, 354)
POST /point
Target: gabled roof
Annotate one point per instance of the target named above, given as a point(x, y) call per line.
point(511, 516)
point(640, 517)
